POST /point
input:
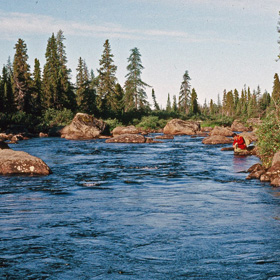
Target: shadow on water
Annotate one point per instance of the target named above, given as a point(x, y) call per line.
point(172, 210)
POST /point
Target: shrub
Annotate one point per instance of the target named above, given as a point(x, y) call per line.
point(113, 123)
point(54, 117)
point(268, 138)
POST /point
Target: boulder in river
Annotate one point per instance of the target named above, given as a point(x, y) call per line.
point(119, 130)
point(127, 138)
point(84, 126)
point(180, 127)
point(217, 139)
point(220, 130)
point(18, 162)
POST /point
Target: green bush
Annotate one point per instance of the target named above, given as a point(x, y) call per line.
point(268, 138)
point(54, 117)
point(113, 123)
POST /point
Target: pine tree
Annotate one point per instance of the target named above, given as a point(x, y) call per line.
point(135, 94)
point(120, 100)
point(37, 89)
point(22, 78)
point(57, 89)
point(174, 105)
point(53, 98)
point(85, 94)
point(276, 89)
point(168, 104)
point(106, 99)
point(194, 109)
point(156, 106)
point(184, 94)
point(64, 74)
point(212, 107)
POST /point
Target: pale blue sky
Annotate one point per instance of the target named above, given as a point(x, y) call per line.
point(223, 44)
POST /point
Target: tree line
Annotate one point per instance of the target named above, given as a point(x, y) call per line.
point(49, 88)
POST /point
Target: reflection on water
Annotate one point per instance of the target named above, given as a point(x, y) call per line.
point(175, 210)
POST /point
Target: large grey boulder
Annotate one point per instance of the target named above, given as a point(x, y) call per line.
point(17, 162)
point(84, 126)
point(180, 127)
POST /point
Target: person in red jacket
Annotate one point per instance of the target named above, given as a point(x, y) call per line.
point(238, 143)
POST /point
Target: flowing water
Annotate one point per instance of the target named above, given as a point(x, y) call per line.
point(172, 210)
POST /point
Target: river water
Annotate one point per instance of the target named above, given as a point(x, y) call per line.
point(172, 210)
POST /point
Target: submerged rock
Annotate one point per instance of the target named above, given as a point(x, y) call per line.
point(165, 136)
point(17, 162)
point(127, 138)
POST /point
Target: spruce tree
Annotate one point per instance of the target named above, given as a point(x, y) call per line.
point(22, 78)
point(276, 89)
point(174, 104)
point(135, 94)
point(52, 96)
point(194, 109)
point(168, 104)
point(184, 94)
point(106, 99)
point(64, 74)
point(156, 106)
point(37, 89)
point(85, 94)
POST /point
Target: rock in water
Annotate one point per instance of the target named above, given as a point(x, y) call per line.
point(17, 162)
point(217, 139)
point(180, 127)
point(119, 130)
point(127, 138)
point(84, 126)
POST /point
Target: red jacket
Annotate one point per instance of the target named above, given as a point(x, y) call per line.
point(239, 140)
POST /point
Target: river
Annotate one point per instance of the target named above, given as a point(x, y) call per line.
point(172, 210)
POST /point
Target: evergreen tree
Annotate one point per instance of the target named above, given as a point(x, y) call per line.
point(22, 78)
point(194, 109)
point(86, 95)
point(264, 102)
point(229, 104)
point(64, 74)
point(276, 89)
point(106, 96)
point(235, 98)
point(212, 107)
point(135, 94)
point(184, 94)
point(174, 105)
point(57, 89)
point(8, 89)
point(53, 98)
point(37, 89)
point(120, 100)
point(156, 106)
point(168, 104)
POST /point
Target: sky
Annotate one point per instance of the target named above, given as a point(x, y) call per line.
point(223, 44)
